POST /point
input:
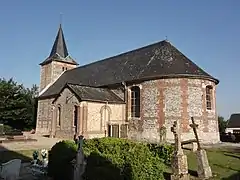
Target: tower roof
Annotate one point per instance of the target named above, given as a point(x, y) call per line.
point(59, 50)
point(59, 46)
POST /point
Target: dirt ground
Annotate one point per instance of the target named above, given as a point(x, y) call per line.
point(41, 143)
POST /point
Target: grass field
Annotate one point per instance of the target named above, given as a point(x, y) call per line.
point(225, 163)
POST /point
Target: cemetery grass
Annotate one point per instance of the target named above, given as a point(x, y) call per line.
point(24, 155)
point(225, 164)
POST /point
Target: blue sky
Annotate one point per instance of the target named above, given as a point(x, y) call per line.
point(208, 32)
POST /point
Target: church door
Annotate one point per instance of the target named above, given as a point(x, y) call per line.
point(76, 117)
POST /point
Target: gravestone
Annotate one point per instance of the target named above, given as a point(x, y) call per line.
point(179, 160)
point(204, 170)
point(163, 132)
point(79, 167)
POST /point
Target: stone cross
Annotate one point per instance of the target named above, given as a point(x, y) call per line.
point(194, 126)
point(80, 142)
point(179, 160)
point(177, 137)
point(80, 164)
point(204, 170)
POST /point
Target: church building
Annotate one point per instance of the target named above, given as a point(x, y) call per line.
point(131, 95)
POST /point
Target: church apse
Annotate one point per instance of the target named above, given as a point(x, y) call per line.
point(164, 101)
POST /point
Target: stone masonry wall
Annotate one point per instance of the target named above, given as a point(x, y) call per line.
point(102, 114)
point(166, 100)
point(66, 102)
point(93, 117)
point(44, 116)
point(57, 68)
point(45, 75)
point(50, 72)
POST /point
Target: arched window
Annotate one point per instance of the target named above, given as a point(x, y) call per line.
point(75, 118)
point(209, 97)
point(135, 101)
point(59, 116)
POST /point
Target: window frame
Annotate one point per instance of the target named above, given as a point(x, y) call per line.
point(135, 101)
point(209, 97)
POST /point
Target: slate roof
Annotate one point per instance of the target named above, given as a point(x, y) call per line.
point(158, 60)
point(59, 50)
point(86, 93)
point(234, 121)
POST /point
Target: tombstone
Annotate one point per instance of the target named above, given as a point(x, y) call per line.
point(179, 160)
point(79, 167)
point(204, 170)
point(163, 132)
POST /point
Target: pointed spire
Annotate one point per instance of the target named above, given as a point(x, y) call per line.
point(59, 46)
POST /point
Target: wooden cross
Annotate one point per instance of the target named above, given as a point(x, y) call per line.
point(177, 137)
point(194, 126)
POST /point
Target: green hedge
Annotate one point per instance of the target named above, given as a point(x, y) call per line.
point(59, 160)
point(164, 152)
point(111, 158)
point(114, 158)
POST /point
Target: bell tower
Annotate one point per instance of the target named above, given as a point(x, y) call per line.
point(57, 62)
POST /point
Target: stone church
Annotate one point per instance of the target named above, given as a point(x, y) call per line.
point(130, 95)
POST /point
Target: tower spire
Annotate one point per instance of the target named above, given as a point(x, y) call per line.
point(59, 46)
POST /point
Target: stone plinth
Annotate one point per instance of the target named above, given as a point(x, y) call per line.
point(204, 170)
point(179, 167)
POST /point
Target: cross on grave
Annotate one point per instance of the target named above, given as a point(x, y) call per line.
point(80, 164)
point(194, 126)
point(204, 170)
point(80, 142)
point(177, 137)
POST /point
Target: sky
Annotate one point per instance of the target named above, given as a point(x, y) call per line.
point(207, 32)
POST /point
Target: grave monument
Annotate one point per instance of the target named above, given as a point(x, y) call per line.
point(204, 170)
point(80, 164)
point(179, 160)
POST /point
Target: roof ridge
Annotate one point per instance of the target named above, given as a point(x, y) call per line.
point(75, 84)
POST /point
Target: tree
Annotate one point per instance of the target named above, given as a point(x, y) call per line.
point(222, 124)
point(17, 104)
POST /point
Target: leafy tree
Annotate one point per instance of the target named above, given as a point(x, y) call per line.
point(222, 124)
point(17, 104)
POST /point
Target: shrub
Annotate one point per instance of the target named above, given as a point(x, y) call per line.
point(110, 158)
point(164, 151)
point(60, 157)
point(113, 158)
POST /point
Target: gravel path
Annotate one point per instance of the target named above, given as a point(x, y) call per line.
point(41, 143)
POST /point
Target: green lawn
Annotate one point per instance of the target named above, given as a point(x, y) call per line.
point(25, 155)
point(225, 163)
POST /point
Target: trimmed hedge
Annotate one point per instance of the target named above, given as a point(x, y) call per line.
point(114, 158)
point(110, 158)
point(59, 160)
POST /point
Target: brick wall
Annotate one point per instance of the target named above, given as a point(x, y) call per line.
point(166, 100)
